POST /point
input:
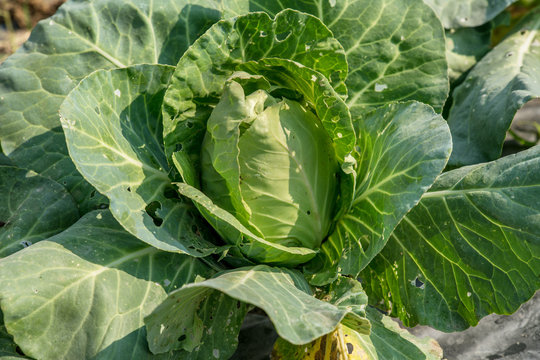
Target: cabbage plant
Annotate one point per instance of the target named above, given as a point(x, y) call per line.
point(173, 169)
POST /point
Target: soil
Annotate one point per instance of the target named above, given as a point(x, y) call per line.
point(25, 14)
point(17, 17)
point(511, 337)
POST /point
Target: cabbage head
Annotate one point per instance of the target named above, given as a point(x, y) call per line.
point(284, 183)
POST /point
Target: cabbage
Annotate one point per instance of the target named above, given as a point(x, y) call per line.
point(285, 182)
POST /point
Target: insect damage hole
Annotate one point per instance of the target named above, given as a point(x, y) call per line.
point(418, 283)
point(152, 209)
point(170, 192)
point(282, 36)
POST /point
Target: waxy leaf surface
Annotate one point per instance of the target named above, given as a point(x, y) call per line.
point(403, 148)
point(197, 83)
point(81, 37)
point(90, 295)
point(467, 13)
point(112, 122)
point(395, 49)
point(486, 102)
point(283, 294)
point(32, 208)
point(471, 247)
point(464, 48)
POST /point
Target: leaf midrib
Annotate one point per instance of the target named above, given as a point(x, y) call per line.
point(443, 193)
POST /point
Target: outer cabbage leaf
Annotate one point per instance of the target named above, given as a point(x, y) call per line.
point(471, 247)
point(395, 49)
point(32, 208)
point(112, 122)
point(387, 341)
point(88, 299)
point(197, 83)
point(283, 294)
point(464, 48)
point(486, 102)
point(205, 324)
point(403, 148)
point(253, 246)
point(8, 349)
point(81, 37)
point(467, 13)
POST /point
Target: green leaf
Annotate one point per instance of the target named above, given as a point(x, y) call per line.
point(347, 293)
point(4, 160)
point(467, 13)
point(395, 49)
point(486, 102)
point(253, 246)
point(403, 148)
point(112, 122)
point(82, 37)
point(91, 293)
point(283, 294)
point(8, 348)
point(204, 325)
point(387, 341)
point(32, 208)
point(471, 247)
point(197, 83)
point(464, 48)
point(317, 91)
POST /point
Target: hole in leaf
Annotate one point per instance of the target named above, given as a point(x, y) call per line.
point(350, 348)
point(93, 193)
point(335, 77)
point(189, 124)
point(171, 193)
point(523, 32)
point(308, 212)
point(26, 243)
point(182, 338)
point(19, 351)
point(179, 147)
point(418, 283)
point(128, 189)
point(151, 209)
point(2, 224)
point(282, 36)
